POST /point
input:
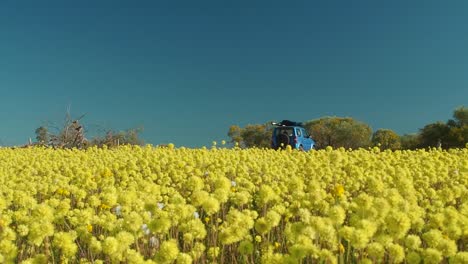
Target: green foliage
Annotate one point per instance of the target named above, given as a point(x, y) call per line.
point(386, 139)
point(409, 141)
point(235, 134)
point(461, 116)
point(251, 135)
point(257, 136)
point(42, 135)
point(339, 132)
point(452, 134)
point(350, 133)
point(432, 135)
point(458, 136)
point(113, 139)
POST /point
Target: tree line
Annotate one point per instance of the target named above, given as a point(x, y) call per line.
point(350, 133)
point(72, 134)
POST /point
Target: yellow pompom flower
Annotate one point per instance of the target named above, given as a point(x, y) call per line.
point(38, 231)
point(211, 205)
point(432, 238)
point(197, 251)
point(341, 248)
point(106, 172)
point(339, 190)
point(95, 245)
point(396, 253)
point(447, 247)
point(213, 252)
point(376, 250)
point(160, 225)
point(104, 206)
point(199, 196)
point(110, 246)
point(8, 251)
point(240, 197)
point(184, 258)
point(262, 226)
point(299, 251)
point(123, 203)
point(65, 241)
point(168, 252)
point(133, 256)
point(337, 214)
point(245, 247)
point(237, 226)
point(460, 257)
point(22, 230)
point(266, 194)
point(413, 258)
point(432, 256)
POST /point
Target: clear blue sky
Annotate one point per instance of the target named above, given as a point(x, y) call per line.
point(187, 70)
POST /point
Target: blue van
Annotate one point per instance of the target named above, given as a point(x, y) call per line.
point(291, 133)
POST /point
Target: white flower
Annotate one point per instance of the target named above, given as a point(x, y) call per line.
point(118, 210)
point(196, 215)
point(233, 184)
point(160, 206)
point(145, 229)
point(154, 242)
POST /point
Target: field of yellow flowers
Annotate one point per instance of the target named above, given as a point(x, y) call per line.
point(178, 205)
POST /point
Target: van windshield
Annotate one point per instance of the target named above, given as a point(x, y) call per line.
point(285, 130)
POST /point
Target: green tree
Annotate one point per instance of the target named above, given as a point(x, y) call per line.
point(113, 139)
point(452, 134)
point(386, 139)
point(235, 134)
point(42, 135)
point(258, 135)
point(461, 116)
point(458, 136)
point(410, 141)
point(434, 135)
point(339, 132)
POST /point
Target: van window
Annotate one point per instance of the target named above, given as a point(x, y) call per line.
point(299, 132)
point(287, 130)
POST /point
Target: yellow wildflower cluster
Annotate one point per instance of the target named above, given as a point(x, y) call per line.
point(178, 205)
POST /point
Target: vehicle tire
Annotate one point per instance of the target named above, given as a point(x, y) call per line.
point(282, 139)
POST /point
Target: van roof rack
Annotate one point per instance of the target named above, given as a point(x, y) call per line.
point(287, 123)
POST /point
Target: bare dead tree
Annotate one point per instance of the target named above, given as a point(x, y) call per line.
point(71, 135)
